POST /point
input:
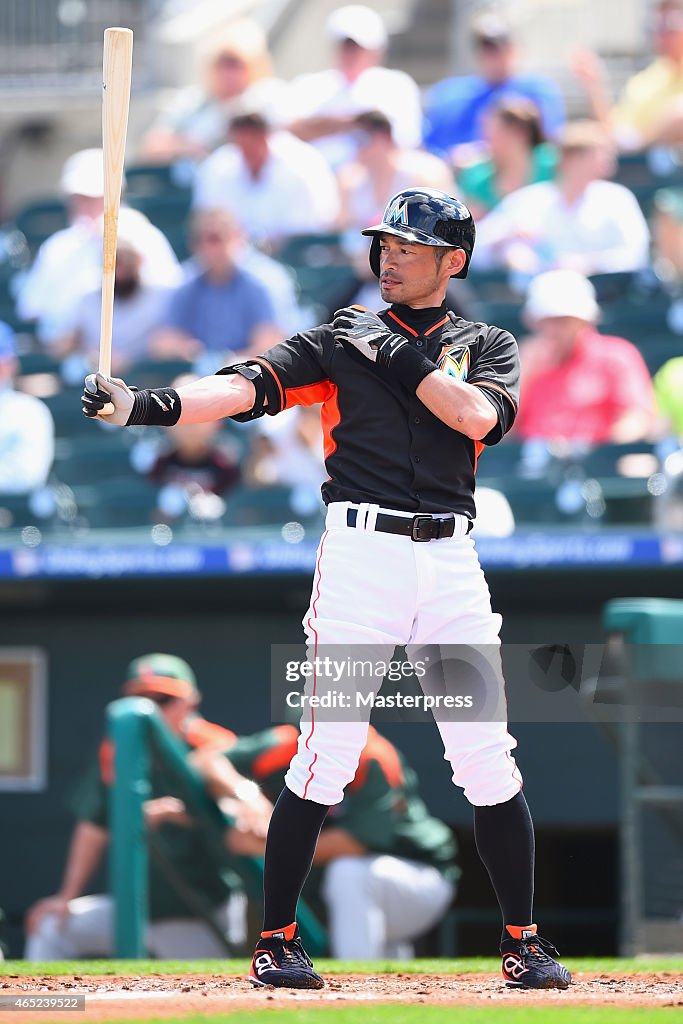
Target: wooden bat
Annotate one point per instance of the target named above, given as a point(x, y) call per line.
point(116, 76)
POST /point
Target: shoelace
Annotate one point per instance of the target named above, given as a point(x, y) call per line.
point(538, 949)
point(296, 953)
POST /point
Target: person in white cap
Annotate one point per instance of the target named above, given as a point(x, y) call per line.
point(68, 264)
point(578, 385)
point(139, 308)
point(325, 103)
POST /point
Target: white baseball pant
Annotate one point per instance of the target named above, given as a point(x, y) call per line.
point(88, 932)
point(377, 905)
point(371, 592)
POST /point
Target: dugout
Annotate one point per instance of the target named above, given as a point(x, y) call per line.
point(224, 623)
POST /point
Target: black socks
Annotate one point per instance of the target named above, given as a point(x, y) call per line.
point(292, 836)
point(504, 834)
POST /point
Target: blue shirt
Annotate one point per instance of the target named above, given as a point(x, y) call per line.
point(222, 316)
point(454, 108)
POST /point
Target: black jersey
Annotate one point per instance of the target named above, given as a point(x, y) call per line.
point(382, 445)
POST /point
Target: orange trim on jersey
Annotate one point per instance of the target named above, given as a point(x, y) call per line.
point(405, 326)
point(478, 449)
point(267, 366)
point(494, 387)
point(439, 324)
point(201, 734)
point(309, 394)
point(105, 757)
point(385, 754)
point(279, 755)
point(330, 417)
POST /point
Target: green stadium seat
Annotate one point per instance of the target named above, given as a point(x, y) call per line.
point(156, 179)
point(151, 373)
point(313, 250)
point(117, 502)
point(603, 460)
point(65, 407)
point(92, 464)
point(40, 219)
point(38, 362)
point(268, 506)
point(627, 501)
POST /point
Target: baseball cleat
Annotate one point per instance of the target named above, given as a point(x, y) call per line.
point(530, 962)
point(283, 963)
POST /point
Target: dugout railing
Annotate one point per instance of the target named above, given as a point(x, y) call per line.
point(138, 734)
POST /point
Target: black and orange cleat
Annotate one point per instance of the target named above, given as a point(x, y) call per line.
point(281, 960)
point(529, 961)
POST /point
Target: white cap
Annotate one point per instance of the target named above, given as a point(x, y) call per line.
point(359, 23)
point(561, 293)
point(83, 174)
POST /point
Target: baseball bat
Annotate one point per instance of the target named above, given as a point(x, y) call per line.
point(117, 66)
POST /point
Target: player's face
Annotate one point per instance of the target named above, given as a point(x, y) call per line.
point(410, 273)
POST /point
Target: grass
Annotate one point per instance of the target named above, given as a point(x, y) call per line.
point(137, 968)
point(425, 1015)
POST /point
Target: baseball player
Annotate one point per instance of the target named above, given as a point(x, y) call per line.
point(410, 398)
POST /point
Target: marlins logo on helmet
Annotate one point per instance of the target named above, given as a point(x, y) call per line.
point(455, 361)
point(397, 212)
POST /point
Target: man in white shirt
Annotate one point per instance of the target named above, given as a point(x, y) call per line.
point(323, 105)
point(272, 183)
point(27, 445)
point(580, 222)
point(68, 265)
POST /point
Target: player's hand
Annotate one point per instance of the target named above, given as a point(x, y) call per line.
point(52, 905)
point(165, 809)
point(102, 392)
point(361, 328)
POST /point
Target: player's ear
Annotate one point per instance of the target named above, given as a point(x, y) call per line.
point(456, 261)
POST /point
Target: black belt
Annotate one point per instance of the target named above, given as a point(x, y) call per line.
point(419, 528)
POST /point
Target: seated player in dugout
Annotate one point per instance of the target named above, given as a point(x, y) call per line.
point(411, 396)
point(384, 868)
point(69, 925)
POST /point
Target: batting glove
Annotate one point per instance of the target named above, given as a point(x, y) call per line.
point(110, 398)
point(373, 339)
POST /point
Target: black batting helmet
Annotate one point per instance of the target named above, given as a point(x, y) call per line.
point(429, 217)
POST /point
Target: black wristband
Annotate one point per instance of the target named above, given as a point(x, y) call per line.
point(155, 407)
point(403, 362)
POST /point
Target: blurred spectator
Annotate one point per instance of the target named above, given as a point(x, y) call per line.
point(288, 450)
point(224, 308)
point(494, 516)
point(27, 444)
point(384, 866)
point(69, 925)
point(455, 107)
point(380, 169)
point(578, 385)
point(667, 235)
point(196, 121)
point(650, 110)
point(324, 104)
point(194, 459)
point(582, 221)
point(139, 309)
point(68, 265)
point(516, 155)
point(668, 388)
point(273, 183)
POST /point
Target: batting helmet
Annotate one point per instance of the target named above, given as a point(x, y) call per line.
point(429, 217)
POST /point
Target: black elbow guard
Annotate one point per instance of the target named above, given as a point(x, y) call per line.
point(267, 394)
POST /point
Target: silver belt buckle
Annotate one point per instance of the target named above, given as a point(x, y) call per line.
point(418, 521)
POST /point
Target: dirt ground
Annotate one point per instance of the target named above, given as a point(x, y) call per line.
point(111, 998)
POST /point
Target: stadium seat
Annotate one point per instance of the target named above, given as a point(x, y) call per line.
point(154, 373)
point(91, 464)
point(117, 502)
point(40, 219)
point(156, 179)
point(267, 506)
point(65, 407)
